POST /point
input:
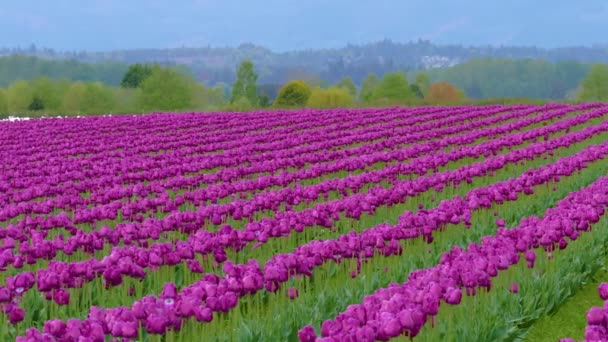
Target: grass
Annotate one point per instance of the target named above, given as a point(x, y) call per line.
point(569, 320)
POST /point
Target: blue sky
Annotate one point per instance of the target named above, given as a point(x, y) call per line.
point(286, 25)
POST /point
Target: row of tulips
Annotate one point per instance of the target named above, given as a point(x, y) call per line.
point(258, 126)
point(144, 167)
point(381, 240)
point(101, 132)
point(307, 193)
point(35, 247)
point(215, 192)
point(193, 145)
point(94, 184)
point(405, 308)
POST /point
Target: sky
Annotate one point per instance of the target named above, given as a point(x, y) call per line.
point(283, 25)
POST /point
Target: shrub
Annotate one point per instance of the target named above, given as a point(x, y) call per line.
point(293, 94)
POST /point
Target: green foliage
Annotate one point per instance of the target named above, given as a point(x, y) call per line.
point(416, 91)
point(366, 93)
point(595, 84)
point(204, 98)
point(98, 98)
point(333, 97)
point(349, 85)
point(14, 68)
point(240, 105)
point(264, 100)
point(3, 102)
point(73, 98)
point(245, 84)
point(20, 96)
point(136, 75)
point(36, 104)
point(393, 87)
point(49, 93)
point(124, 99)
point(294, 93)
point(500, 78)
point(169, 89)
point(89, 98)
point(423, 82)
point(166, 89)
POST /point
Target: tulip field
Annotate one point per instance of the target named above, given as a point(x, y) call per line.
point(464, 223)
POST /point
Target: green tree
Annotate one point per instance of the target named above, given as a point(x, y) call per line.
point(416, 91)
point(48, 93)
point(73, 99)
point(245, 84)
point(3, 102)
point(36, 104)
point(264, 100)
point(423, 82)
point(125, 99)
point(216, 96)
point(98, 99)
point(20, 96)
point(595, 85)
point(166, 89)
point(293, 94)
point(136, 75)
point(348, 84)
point(332, 97)
point(393, 88)
point(240, 105)
point(207, 98)
point(368, 87)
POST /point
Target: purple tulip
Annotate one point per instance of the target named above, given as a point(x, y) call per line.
point(61, 297)
point(595, 316)
point(307, 334)
point(16, 315)
point(292, 293)
point(603, 291)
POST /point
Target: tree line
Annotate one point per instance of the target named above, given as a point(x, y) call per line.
point(143, 88)
point(150, 87)
point(479, 78)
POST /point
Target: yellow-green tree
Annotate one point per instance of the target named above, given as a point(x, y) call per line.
point(423, 82)
point(89, 98)
point(207, 98)
point(245, 84)
point(368, 87)
point(98, 98)
point(348, 84)
point(73, 99)
point(393, 88)
point(49, 93)
point(165, 89)
point(595, 85)
point(3, 102)
point(293, 94)
point(332, 97)
point(19, 96)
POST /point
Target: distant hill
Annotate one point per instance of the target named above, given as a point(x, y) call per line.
point(212, 65)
